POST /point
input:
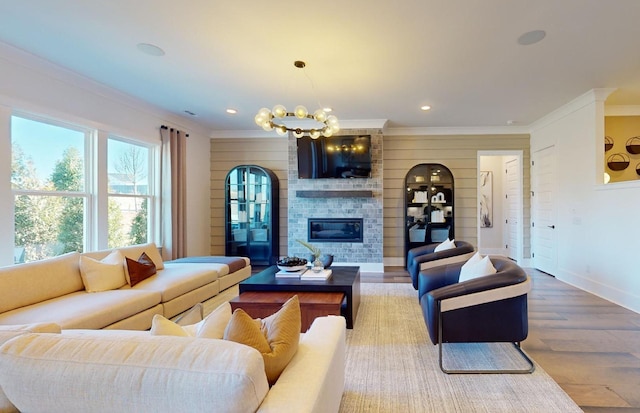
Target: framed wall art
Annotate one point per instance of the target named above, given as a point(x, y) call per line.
point(486, 199)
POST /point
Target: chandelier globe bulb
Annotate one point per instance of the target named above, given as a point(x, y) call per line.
point(279, 111)
point(301, 112)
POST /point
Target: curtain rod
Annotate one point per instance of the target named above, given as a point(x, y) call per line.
point(166, 127)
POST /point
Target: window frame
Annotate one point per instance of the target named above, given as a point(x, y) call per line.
point(96, 193)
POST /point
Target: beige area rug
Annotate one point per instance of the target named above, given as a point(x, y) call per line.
point(391, 366)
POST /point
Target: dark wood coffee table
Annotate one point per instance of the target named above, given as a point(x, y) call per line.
point(343, 279)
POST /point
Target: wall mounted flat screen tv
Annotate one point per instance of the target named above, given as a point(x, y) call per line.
point(334, 157)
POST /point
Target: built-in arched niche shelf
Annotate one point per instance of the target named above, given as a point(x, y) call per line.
point(428, 206)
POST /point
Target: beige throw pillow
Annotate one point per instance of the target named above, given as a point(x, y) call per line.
point(212, 326)
point(276, 336)
point(106, 274)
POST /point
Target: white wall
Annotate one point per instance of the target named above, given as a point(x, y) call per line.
point(598, 225)
point(32, 85)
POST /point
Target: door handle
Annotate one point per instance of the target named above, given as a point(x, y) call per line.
point(551, 226)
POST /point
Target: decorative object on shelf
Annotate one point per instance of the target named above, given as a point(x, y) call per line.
point(633, 145)
point(486, 199)
point(315, 251)
point(327, 125)
point(618, 161)
point(318, 263)
point(292, 264)
point(608, 143)
point(438, 198)
point(327, 260)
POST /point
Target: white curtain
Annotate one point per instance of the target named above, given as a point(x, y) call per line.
point(173, 188)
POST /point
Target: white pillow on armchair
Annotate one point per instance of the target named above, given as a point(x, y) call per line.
point(445, 245)
point(476, 267)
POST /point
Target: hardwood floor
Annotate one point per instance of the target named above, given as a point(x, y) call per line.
point(589, 346)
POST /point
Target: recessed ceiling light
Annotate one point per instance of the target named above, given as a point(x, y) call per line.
point(150, 49)
point(425, 107)
point(231, 111)
point(327, 109)
point(531, 37)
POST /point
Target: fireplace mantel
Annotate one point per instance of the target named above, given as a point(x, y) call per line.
point(334, 194)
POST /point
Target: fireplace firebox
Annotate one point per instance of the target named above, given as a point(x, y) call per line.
point(335, 230)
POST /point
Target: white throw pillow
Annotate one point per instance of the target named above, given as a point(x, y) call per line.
point(106, 274)
point(445, 245)
point(479, 268)
point(212, 326)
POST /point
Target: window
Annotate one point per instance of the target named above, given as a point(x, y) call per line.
point(129, 194)
point(48, 178)
point(53, 171)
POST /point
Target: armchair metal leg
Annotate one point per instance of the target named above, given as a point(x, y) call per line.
point(528, 370)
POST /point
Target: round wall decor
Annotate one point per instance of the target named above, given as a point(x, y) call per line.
point(618, 161)
point(638, 168)
point(633, 145)
point(608, 143)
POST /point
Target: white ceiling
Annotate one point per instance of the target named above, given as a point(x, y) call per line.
point(368, 59)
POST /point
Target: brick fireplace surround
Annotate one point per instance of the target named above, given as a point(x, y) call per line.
point(339, 198)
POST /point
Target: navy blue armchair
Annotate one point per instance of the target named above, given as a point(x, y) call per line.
point(487, 309)
point(424, 257)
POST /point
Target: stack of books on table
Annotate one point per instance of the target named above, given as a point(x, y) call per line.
point(311, 275)
point(290, 274)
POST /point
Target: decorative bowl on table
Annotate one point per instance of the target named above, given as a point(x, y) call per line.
point(291, 264)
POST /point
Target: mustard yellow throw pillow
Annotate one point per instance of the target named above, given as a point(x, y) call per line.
point(276, 336)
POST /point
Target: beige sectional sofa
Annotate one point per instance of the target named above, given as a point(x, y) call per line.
point(134, 371)
point(52, 290)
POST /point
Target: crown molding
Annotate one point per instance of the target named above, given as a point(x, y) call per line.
point(592, 96)
point(622, 110)
point(470, 130)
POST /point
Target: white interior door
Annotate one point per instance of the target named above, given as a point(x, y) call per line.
point(512, 192)
point(544, 211)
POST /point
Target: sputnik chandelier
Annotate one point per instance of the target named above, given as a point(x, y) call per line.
point(326, 125)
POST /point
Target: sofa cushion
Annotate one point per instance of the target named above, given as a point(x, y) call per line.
point(102, 275)
point(85, 310)
point(276, 336)
point(178, 279)
point(144, 373)
point(25, 284)
point(139, 270)
point(7, 332)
